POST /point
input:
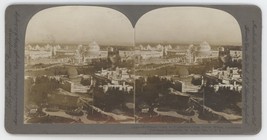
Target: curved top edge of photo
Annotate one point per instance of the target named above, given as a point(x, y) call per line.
point(107, 26)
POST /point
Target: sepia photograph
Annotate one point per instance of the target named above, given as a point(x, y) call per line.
point(79, 66)
point(188, 66)
point(91, 65)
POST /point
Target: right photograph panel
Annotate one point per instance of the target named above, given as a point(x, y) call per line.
point(188, 66)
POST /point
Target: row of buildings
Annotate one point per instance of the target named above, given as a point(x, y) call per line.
point(119, 79)
point(86, 53)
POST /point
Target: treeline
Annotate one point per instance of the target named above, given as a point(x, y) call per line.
point(37, 92)
point(60, 70)
point(112, 99)
point(149, 91)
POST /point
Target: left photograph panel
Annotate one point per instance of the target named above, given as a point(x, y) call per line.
point(79, 64)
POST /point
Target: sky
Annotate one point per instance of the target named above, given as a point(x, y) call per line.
point(188, 25)
point(172, 25)
point(80, 25)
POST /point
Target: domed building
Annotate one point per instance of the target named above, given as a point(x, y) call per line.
point(73, 75)
point(93, 48)
point(92, 51)
point(203, 50)
point(73, 82)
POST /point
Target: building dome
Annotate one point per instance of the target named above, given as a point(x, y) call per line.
point(72, 72)
point(203, 49)
point(183, 72)
point(204, 46)
point(92, 50)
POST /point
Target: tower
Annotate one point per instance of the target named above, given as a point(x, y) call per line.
point(52, 51)
point(202, 80)
point(221, 51)
point(164, 51)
